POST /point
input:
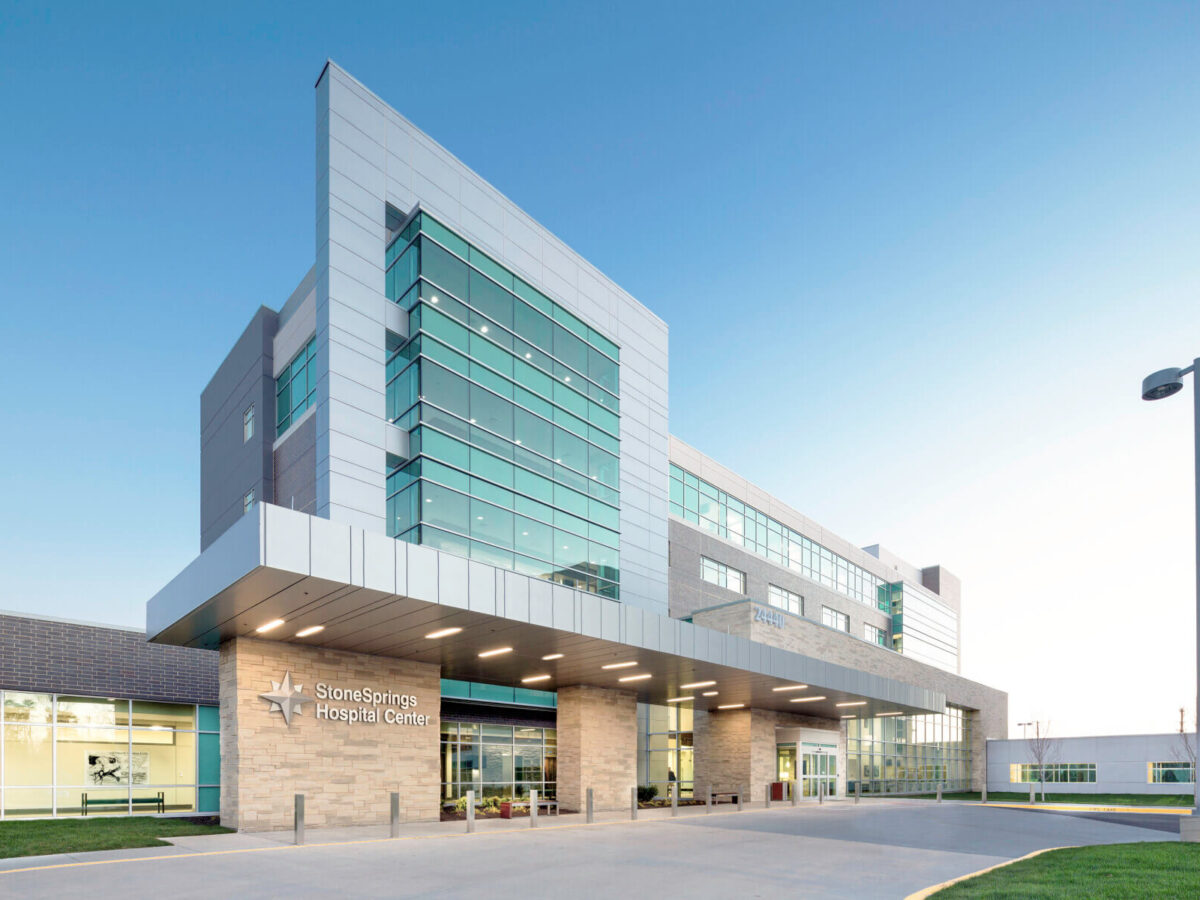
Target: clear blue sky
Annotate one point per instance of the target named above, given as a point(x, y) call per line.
point(915, 259)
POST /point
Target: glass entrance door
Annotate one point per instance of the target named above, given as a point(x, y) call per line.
point(818, 764)
point(785, 768)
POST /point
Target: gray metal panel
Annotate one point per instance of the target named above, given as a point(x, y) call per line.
point(452, 581)
point(516, 597)
point(481, 586)
point(422, 573)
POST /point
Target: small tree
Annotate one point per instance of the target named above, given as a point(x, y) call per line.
point(1043, 749)
point(1185, 748)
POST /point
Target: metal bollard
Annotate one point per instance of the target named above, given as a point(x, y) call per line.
point(708, 799)
point(1032, 794)
point(739, 796)
point(470, 811)
point(532, 808)
point(591, 814)
point(857, 790)
point(395, 814)
point(674, 798)
point(939, 794)
point(820, 792)
point(985, 792)
point(298, 819)
point(795, 792)
point(633, 804)
point(768, 797)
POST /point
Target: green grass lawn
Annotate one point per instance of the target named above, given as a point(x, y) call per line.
point(35, 837)
point(1156, 870)
point(1101, 799)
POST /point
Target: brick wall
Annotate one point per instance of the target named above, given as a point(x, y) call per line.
point(346, 771)
point(597, 746)
point(94, 660)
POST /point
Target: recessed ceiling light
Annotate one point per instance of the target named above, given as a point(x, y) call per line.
point(620, 665)
point(634, 678)
point(433, 299)
point(532, 678)
point(889, 714)
point(443, 632)
point(311, 629)
point(269, 626)
point(732, 706)
point(710, 693)
point(697, 684)
point(479, 518)
point(483, 328)
point(680, 699)
point(550, 656)
point(428, 499)
point(567, 379)
point(852, 703)
point(472, 421)
point(849, 717)
point(518, 442)
point(496, 652)
point(529, 356)
point(806, 699)
point(791, 687)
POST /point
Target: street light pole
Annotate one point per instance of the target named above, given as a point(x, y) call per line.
point(1162, 384)
point(1023, 726)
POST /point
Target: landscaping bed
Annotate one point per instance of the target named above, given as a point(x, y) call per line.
point(36, 837)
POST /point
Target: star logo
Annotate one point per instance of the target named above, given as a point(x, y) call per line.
point(286, 698)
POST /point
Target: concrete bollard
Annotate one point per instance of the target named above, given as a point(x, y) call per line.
point(298, 819)
point(470, 811)
point(1032, 794)
point(939, 793)
point(739, 798)
point(532, 808)
point(633, 804)
point(821, 791)
point(708, 799)
point(674, 798)
point(795, 792)
point(395, 818)
point(591, 809)
point(768, 797)
point(984, 792)
point(857, 790)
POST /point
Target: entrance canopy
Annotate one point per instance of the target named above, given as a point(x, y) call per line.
point(278, 574)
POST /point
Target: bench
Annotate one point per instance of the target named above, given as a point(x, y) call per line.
point(159, 802)
point(507, 807)
point(730, 796)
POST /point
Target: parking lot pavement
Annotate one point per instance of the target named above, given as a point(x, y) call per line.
point(838, 850)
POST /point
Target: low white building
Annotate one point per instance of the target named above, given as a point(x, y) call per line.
point(1113, 764)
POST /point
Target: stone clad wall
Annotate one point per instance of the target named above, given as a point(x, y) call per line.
point(346, 771)
point(597, 746)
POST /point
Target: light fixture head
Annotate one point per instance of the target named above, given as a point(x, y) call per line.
point(642, 677)
point(697, 684)
point(806, 699)
point(550, 656)
point(496, 652)
point(311, 629)
point(1162, 383)
point(845, 703)
point(732, 706)
point(791, 687)
point(679, 699)
point(530, 679)
point(442, 632)
point(268, 626)
point(710, 693)
point(620, 665)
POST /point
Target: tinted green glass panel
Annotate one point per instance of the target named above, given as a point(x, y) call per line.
point(443, 269)
point(209, 771)
point(445, 236)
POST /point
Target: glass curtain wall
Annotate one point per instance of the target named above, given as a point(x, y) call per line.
point(665, 747)
point(922, 627)
point(502, 761)
point(513, 412)
point(74, 756)
point(700, 503)
point(910, 754)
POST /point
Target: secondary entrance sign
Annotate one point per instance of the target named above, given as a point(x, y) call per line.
point(370, 706)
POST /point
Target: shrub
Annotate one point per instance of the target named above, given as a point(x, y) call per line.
point(646, 793)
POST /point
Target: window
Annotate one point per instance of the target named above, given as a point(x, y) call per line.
point(1054, 773)
point(296, 387)
point(248, 501)
point(722, 575)
point(835, 619)
point(785, 599)
point(875, 635)
point(899, 754)
point(1170, 773)
point(248, 423)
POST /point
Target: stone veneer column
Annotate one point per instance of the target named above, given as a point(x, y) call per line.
point(736, 749)
point(345, 771)
point(597, 746)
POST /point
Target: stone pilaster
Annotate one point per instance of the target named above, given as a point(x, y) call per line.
point(597, 746)
point(345, 770)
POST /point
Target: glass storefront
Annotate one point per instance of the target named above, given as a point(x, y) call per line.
point(502, 761)
point(910, 754)
point(813, 765)
point(665, 751)
point(64, 755)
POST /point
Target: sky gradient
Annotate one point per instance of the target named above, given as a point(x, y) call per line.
point(915, 259)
